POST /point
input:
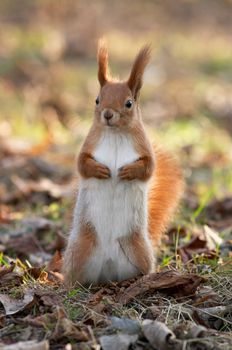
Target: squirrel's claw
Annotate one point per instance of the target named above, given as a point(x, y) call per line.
point(126, 173)
point(102, 172)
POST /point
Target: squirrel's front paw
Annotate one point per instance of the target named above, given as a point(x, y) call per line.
point(101, 171)
point(127, 173)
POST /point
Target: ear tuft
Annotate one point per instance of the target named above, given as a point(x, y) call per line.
point(102, 57)
point(135, 80)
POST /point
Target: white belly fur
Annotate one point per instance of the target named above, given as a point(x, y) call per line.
point(114, 207)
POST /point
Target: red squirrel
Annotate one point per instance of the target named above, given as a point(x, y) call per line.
point(128, 189)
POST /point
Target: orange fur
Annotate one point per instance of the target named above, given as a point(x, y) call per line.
point(102, 63)
point(88, 167)
point(137, 251)
point(164, 195)
point(153, 164)
point(140, 169)
point(78, 253)
point(135, 80)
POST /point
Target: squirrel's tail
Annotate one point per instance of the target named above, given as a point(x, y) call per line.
point(164, 194)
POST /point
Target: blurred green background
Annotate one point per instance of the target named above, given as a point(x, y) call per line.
point(48, 79)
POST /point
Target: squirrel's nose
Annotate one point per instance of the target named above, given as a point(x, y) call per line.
point(108, 115)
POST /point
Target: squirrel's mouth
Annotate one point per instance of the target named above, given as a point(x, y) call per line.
point(108, 123)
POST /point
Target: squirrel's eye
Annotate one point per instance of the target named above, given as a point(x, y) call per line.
point(128, 103)
point(97, 100)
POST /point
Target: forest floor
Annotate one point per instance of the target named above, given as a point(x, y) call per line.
point(186, 304)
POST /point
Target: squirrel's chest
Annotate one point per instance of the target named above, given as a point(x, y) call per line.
point(115, 150)
point(114, 207)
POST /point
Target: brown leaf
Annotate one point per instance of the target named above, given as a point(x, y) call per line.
point(11, 279)
point(100, 300)
point(62, 326)
point(199, 246)
point(67, 328)
point(6, 269)
point(13, 306)
point(194, 246)
point(29, 239)
point(55, 264)
point(2, 320)
point(42, 320)
point(206, 297)
point(50, 277)
point(35, 272)
point(170, 282)
point(49, 298)
point(213, 317)
point(195, 243)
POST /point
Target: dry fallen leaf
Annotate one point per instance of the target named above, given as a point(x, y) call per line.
point(48, 298)
point(4, 270)
point(27, 345)
point(100, 300)
point(213, 317)
point(28, 237)
point(125, 325)
point(43, 320)
point(55, 264)
point(212, 237)
point(13, 306)
point(171, 282)
point(2, 320)
point(67, 328)
point(198, 246)
point(196, 331)
point(206, 297)
point(59, 322)
point(11, 279)
point(117, 341)
point(159, 335)
point(64, 327)
point(49, 277)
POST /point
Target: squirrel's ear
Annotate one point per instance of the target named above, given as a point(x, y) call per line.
point(102, 58)
point(135, 80)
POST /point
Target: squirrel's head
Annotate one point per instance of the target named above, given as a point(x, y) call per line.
point(117, 102)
